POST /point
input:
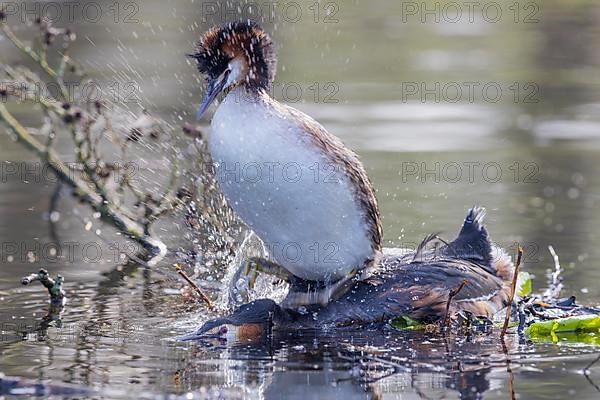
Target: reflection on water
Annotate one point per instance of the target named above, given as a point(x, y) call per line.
point(385, 82)
point(111, 342)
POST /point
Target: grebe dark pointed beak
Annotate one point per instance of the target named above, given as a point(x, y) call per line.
point(197, 336)
point(215, 86)
point(189, 337)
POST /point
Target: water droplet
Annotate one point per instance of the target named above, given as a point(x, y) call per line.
point(54, 216)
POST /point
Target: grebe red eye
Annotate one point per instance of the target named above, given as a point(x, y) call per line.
point(223, 330)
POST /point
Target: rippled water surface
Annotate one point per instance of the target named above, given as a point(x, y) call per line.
point(530, 156)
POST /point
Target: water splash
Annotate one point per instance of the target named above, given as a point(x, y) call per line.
point(220, 242)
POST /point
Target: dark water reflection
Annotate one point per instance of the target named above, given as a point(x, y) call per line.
point(108, 340)
point(533, 164)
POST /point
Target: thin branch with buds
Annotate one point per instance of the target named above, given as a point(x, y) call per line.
point(89, 125)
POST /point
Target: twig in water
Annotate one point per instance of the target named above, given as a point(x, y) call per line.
point(522, 318)
point(586, 373)
point(512, 291)
point(555, 285)
point(193, 285)
point(54, 286)
point(451, 295)
point(511, 375)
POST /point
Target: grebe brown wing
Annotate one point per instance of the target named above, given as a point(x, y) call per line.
point(419, 287)
point(420, 290)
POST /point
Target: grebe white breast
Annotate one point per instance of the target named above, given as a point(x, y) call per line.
point(304, 194)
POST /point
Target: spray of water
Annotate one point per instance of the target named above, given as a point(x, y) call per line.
point(221, 244)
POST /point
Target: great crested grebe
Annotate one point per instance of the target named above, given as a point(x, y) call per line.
point(415, 284)
point(326, 213)
point(305, 195)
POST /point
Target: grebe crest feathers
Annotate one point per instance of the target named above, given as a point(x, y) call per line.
point(243, 45)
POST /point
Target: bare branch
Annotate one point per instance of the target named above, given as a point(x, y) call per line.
point(82, 190)
point(512, 291)
point(40, 59)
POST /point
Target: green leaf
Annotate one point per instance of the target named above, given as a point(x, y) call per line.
point(569, 338)
point(404, 322)
point(589, 324)
point(523, 284)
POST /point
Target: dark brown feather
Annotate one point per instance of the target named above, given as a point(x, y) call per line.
point(341, 156)
point(221, 44)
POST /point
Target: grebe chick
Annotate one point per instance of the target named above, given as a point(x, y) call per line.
point(304, 194)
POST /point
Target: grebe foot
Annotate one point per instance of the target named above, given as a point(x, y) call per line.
point(265, 266)
point(304, 293)
point(245, 277)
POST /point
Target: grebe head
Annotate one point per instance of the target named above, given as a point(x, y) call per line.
point(249, 323)
point(237, 53)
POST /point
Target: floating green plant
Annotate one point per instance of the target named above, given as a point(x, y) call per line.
point(404, 322)
point(584, 327)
